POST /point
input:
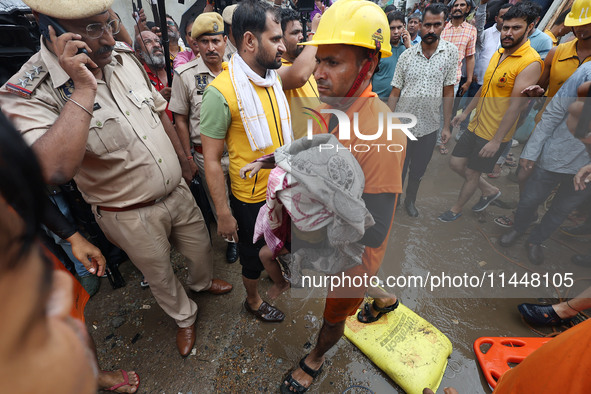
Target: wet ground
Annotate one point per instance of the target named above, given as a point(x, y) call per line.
point(236, 353)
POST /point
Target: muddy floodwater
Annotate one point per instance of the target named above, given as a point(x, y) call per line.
point(235, 353)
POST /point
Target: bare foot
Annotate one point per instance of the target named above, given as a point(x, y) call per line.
point(277, 289)
point(563, 311)
point(303, 378)
point(107, 379)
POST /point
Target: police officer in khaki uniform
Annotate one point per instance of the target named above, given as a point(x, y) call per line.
point(187, 92)
point(231, 44)
point(96, 118)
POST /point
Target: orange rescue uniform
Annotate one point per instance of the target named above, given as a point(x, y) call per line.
point(383, 174)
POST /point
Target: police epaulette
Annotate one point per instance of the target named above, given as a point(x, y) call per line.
point(25, 84)
point(121, 46)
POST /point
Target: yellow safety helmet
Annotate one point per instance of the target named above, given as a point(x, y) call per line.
point(354, 22)
point(580, 14)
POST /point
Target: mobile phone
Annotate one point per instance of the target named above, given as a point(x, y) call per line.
point(46, 21)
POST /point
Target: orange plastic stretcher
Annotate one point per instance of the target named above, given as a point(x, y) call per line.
point(494, 362)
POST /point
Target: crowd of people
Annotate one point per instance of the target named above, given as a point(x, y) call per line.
point(159, 157)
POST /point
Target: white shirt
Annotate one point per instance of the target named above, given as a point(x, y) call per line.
point(421, 83)
point(491, 40)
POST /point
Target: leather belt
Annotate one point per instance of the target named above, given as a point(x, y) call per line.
point(133, 206)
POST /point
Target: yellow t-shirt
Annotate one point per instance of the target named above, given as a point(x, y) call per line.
point(220, 118)
point(552, 36)
point(564, 63)
point(495, 98)
point(298, 99)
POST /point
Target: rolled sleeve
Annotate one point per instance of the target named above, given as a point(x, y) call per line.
point(471, 46)
point(215, 114)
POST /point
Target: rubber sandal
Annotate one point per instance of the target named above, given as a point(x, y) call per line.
point(541, 315)
point(266, 312)
point(125, 381)
point(510, 163)
point(297, 386)
point(485, 201)
point(443, 150)
point(493, 175)
point(504, 221)
point(365, 316)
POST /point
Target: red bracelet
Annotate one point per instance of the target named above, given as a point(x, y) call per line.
point(189, 157)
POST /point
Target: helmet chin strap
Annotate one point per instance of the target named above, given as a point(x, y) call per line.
point(364, 70)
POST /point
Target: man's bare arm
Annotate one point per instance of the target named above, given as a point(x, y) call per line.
point(61, 149)
point(470, 61)
point(460, 118)
point(178, 148)
point(296, 75)
point(393, 99)
point(517, 103)
point(212, 154)
point(182, 129)
point(448, 103)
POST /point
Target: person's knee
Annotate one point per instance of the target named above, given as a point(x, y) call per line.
point(265, 254)
point(472, 175)
point(530, 197)
point(457, 165)
point(334, 325)
point(250, 273)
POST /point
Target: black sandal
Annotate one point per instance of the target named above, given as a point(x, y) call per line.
point(297, 386)
point(365, 316)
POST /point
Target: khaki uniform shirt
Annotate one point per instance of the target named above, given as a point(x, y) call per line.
point(230, 50)
point(188, 86)
point(129, 158)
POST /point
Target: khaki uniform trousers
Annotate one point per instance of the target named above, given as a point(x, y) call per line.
point(198, 159)
point(146, 235)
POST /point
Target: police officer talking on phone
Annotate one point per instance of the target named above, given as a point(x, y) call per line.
point(95, 117)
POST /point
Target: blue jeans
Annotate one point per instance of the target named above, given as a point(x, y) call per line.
point(536, 190)
point(61, 203)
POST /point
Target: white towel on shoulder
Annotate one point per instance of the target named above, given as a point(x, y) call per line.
point(250, 107)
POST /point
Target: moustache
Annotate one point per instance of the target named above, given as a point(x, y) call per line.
point(212, 54)
point(105, 49)
point(430, 35)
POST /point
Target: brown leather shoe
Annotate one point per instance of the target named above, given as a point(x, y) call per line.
point(185, 339)
point(219, 286)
